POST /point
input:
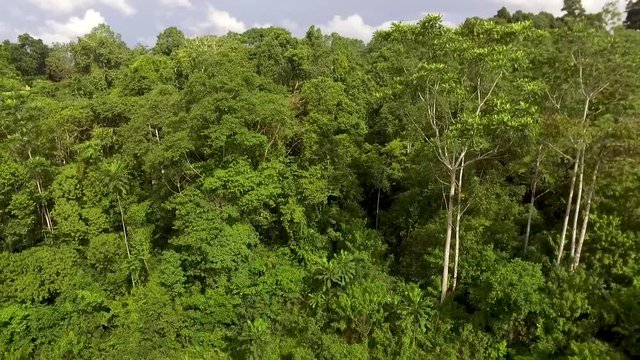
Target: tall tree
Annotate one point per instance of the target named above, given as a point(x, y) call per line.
point(60, 63)
point(573, 8)
point(598, 64)
point(28, 55)
point(117, 179)
point(101, 48)
point(458, 98)
point(503, 15)
point(168, 41)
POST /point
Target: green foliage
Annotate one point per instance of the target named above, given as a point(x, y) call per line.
point(509, 295)
point(146, 73)
point(100, 49)
point(28, 55)
point(39, 275)
point(59, 63)
point(262, 196)
point(168, 41)
point(573, 8)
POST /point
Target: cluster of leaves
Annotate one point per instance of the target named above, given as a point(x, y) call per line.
point(263, 196)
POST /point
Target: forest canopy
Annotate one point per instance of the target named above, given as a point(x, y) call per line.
point(467, 192)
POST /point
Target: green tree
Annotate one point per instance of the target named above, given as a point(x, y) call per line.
point(573, 8)
point(28, 55)
point(101, 48)
point(503, 15)
point(168, 41)
point(444, 115)
point(117, 180)
point(59, 63)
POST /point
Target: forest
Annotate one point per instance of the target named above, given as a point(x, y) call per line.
point(467, 192)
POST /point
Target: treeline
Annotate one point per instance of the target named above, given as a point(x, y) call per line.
point(438, 193)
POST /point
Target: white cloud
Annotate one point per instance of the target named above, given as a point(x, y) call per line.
point(352, 26)
point(120, 5)
point(552, 6)
point(74, 27)
point(68, 6)
point(147, 41)
point(290, 24)
point(5, 31)
point(261, 25)
point(176, 3)
point(15, 12)
point(219, 22)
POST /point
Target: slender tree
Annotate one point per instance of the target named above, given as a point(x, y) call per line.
point(117, 178)
point(532, 198)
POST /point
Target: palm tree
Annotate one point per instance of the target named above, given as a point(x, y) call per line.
point(115, 173)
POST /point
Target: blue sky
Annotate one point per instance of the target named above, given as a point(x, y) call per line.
point(139, 21)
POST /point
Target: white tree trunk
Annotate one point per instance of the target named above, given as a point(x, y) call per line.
point(576, 211)
point(124, 232)
point(377, 208)
point(47, 218)
point(534, 185)
point(585, 220)
point(567, 213)
point(447, 243)
point(458, 217)
point(45, 209)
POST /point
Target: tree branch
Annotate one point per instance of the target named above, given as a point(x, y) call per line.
point(493, 86)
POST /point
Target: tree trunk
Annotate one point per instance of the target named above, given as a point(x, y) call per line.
point(576, 211)
point(45, 209)
point(458, 217)
point(447, 243)
point(47, 218)
point(124, 232)
point(377, 208)
point(534, 185)
point(567, 213)
point(585, 220)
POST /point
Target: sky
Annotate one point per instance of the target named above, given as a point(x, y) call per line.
point(139, 21)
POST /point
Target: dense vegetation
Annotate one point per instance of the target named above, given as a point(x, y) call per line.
point(438, 193)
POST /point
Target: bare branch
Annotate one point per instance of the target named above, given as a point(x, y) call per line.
point(559, 151)
point(493, 86)
point(168, 187)
point(426, 138)
point(466, 207)
point(555, 102)
point(422, 97)
point(541, 194)
point(601, 88)
point(444, 196)
point(292, 147)
point(191, 166)
point(442, 181)
point(460, 162)
point(484, 156)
